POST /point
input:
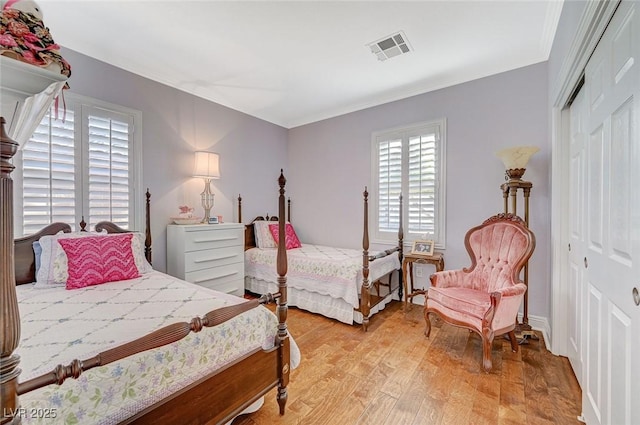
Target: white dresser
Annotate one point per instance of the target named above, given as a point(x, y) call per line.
point(210, 255)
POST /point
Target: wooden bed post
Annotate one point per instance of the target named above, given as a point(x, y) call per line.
point(239, 208)
point(400, 250)
point(289, 209)
point(9, 312)
point(147, 229)
point(365, 302)
point(281, 309)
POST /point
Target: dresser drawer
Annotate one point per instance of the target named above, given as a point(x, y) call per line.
point(214, 238)
point(198, 260)
point(228, 278)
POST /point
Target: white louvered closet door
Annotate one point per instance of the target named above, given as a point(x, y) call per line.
point(107, 173)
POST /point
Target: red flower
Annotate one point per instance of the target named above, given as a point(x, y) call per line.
point(10, 13)
point(29, 57)
point(18, 28)
point(31, 37)
point(32, 46)
point(7, 40)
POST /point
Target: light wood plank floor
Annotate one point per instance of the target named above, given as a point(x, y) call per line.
point(394, 375)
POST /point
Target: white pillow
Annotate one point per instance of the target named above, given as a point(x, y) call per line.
point(51, 249)
point(54, 263)
point(264, 238)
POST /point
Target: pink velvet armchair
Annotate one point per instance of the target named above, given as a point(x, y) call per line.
point(485, 297)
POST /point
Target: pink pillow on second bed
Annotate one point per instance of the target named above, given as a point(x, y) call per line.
point(290, 238)
point(99, 259)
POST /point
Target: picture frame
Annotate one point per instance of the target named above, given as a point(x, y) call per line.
point(423, 247)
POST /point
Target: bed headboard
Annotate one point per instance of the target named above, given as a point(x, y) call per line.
point(25, 261)
point(249, 234)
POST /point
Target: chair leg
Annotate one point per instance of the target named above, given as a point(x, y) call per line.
point(487, 340)
point(427, 331)
point(514, 342)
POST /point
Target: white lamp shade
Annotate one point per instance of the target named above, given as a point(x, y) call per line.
point(516, 157)
point(207, 165)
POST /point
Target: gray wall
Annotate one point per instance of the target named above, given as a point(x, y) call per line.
point(174, 125)
point(329, 164)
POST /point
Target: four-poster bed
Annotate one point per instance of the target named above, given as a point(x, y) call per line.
point(213, 396)
point(343, 284)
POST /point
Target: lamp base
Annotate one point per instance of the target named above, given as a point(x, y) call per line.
point(207, 200)
point(207, 215)
point(515, 173)
point(524, 333)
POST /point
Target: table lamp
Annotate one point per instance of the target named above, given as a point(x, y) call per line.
point(207, 166)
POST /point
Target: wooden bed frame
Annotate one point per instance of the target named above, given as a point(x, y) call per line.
point(216, 398)
point(366, 302)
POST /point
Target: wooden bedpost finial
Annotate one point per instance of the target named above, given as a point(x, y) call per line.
point(365, 193)
point(282, 181)
point(239, 208)
point(8, 149)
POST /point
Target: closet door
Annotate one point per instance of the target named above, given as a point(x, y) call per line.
point(577, 239)
point(611, 372)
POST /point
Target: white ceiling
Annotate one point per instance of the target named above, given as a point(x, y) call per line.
point(296, 62)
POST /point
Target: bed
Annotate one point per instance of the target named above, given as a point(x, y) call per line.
point(343, 284)
point(198, 369)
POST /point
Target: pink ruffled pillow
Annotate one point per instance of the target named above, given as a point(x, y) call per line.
point(290, 238)
point(99, 259)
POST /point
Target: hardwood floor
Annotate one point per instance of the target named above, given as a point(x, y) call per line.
point(394, 375)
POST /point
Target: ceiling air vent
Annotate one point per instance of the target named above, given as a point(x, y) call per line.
point(390, 46)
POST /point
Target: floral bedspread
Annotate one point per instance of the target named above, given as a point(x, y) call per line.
point(335, 272)
point(60, 325)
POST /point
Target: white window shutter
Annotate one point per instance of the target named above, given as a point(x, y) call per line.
point(108, 170)
point(410, 161)
point(87, 166)
point(389, 184)
point(422, 174)
point(48, 176)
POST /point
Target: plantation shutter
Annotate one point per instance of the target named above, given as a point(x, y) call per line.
point(48, 174)
point(108, 172)
point(422, 183)
point(389, 184)
point(85, 167)
point(409, 161)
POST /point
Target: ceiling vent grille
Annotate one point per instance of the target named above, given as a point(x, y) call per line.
point(390, 46)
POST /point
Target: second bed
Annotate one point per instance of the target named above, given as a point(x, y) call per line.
point(348, 285)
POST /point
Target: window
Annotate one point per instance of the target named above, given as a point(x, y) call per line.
point(85, 166)
point(409, 161)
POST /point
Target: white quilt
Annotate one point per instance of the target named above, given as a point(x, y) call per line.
point(335, 272)
point(60, 325)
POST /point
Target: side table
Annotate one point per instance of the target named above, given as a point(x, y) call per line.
point(437, 259)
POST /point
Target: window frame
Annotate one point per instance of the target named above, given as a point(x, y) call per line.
point(403, 133)
point(81, 105)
